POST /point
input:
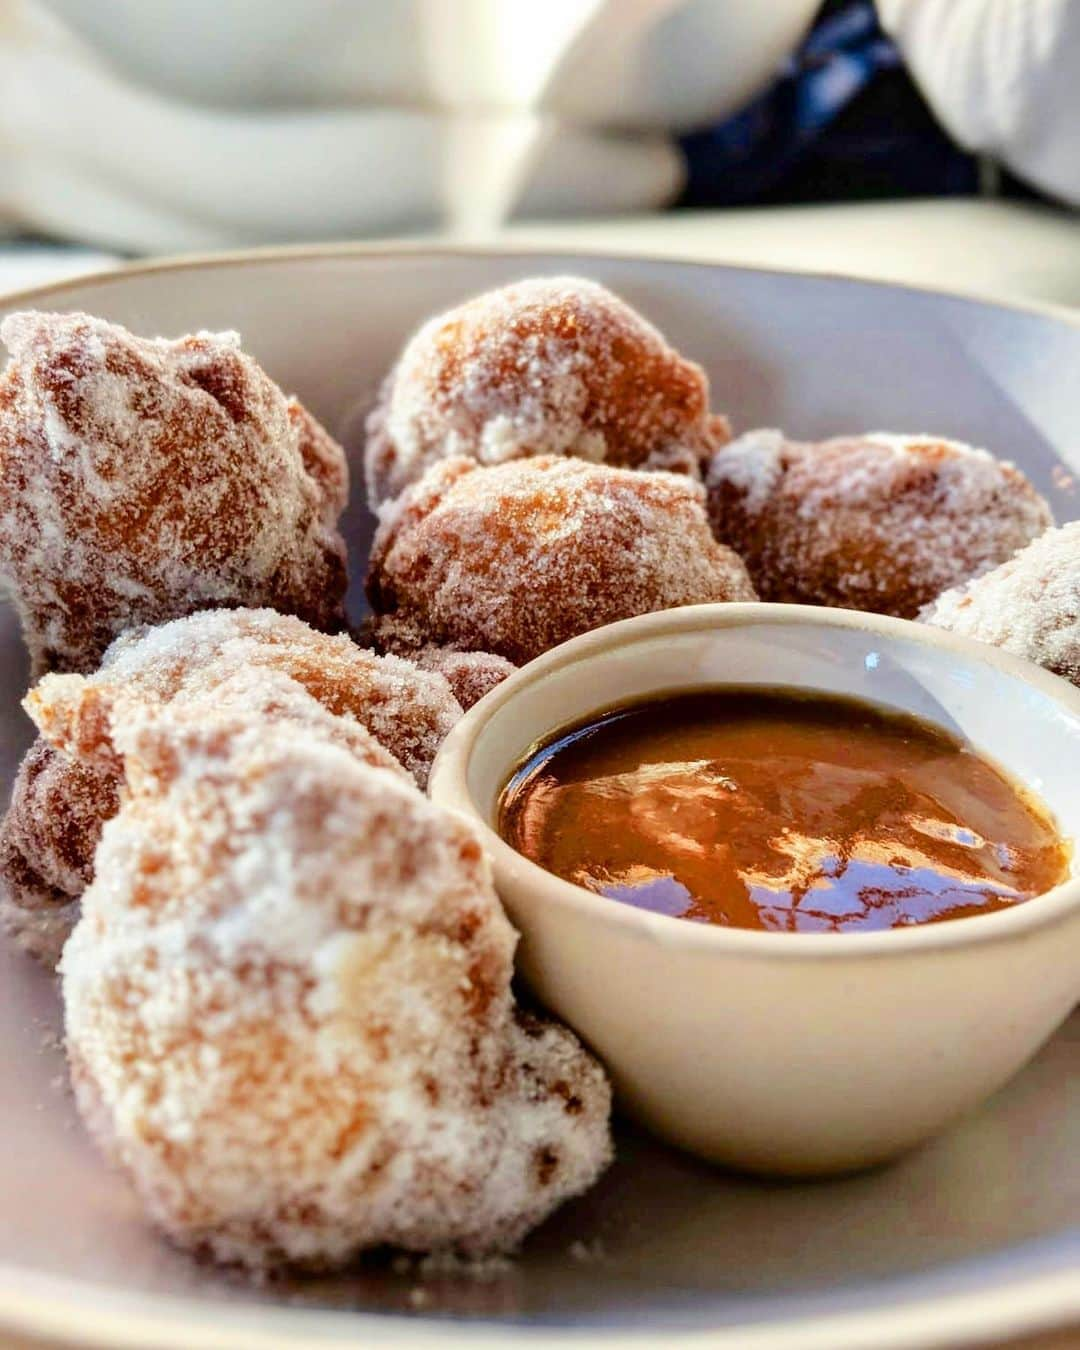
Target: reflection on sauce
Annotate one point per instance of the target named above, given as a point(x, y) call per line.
point(781, 810)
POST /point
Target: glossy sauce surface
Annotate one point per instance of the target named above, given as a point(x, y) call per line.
point(781, 810)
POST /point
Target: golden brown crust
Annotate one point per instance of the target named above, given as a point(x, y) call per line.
point(516, 558)
point(469, 674)
point(47, 843)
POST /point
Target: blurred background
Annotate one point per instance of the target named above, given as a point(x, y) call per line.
point(934, 141)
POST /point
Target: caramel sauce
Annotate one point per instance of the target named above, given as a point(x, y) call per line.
point(781, 810)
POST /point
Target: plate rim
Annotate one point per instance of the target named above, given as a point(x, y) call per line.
point(80, 1313)
point(425, 250)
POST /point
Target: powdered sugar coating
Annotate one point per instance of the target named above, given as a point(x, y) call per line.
point(547, 366)
point(880, 522)
point(1029, 606)
point(469, 674)
point(407, 710)
point(288, 1009)
point(519, 557)
point(78, 715)
point(142, 479)
point(66, 789)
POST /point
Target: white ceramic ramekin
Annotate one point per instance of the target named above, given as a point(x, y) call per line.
point(779, 1052)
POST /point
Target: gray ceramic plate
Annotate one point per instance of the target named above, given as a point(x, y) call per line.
point(977, 1235)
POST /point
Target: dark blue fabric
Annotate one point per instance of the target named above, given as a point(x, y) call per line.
point(842, 120)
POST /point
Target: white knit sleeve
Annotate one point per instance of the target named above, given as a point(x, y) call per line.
point(1003, 76)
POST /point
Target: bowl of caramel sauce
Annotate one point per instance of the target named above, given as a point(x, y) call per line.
point(783, 810)
point(803, 878)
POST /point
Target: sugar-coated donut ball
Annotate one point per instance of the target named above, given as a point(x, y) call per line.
point(549, 366)
point(288, 1009)
point(65, 790)
point(143, 479)
point(879, 522)
point(48, 837)
point(516, 558)
point(1029, 606)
